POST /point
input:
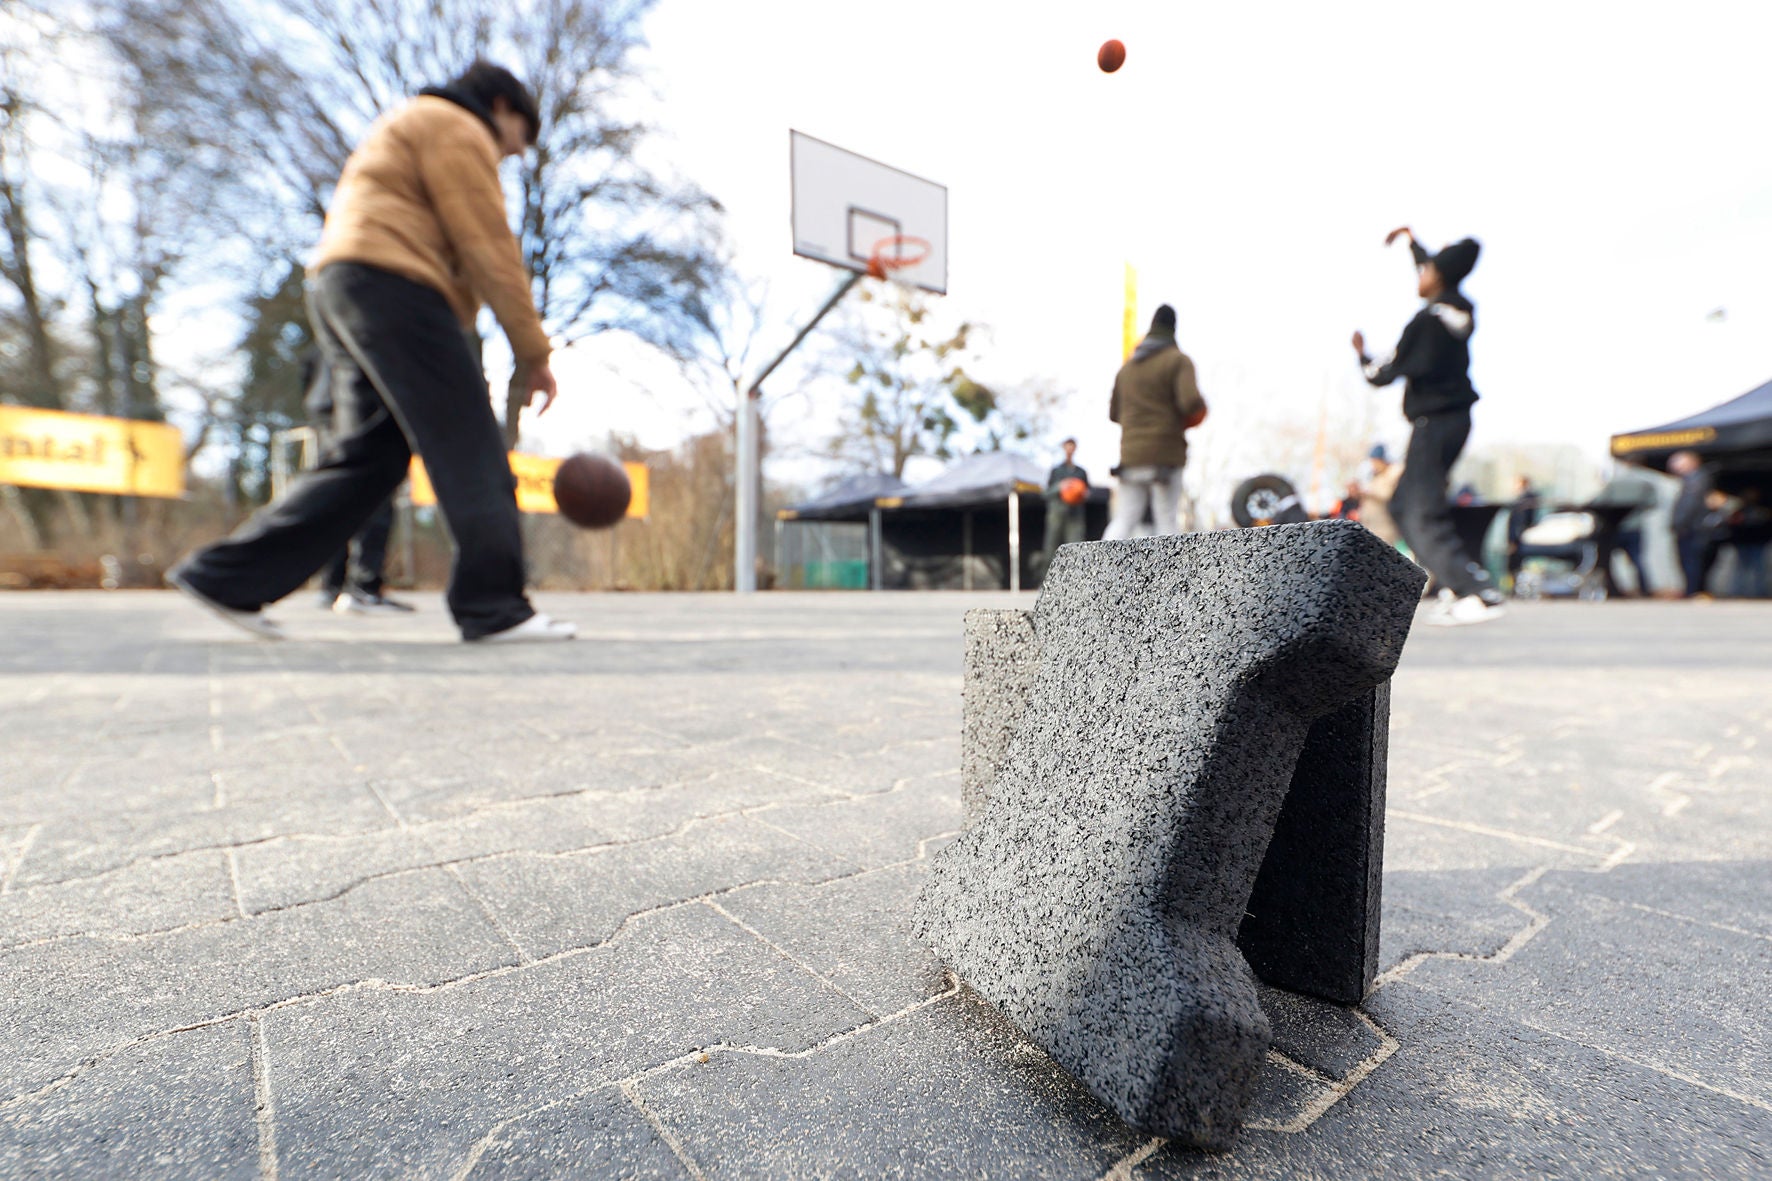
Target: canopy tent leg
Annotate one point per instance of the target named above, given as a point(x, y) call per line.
point(1014, 541)
point(876, 550)
point(966, 549)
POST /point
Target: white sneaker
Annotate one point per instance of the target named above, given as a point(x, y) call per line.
point(359, 603)
point(253, 622)
point(538, 628)
point(1459, 612)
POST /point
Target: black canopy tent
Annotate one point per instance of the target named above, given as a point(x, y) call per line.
point(849, 499)
point(977, 525)
point(1735, 438)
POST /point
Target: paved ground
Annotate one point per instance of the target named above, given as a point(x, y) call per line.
point(372, 903)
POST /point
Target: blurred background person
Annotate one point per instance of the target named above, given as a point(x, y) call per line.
point(1432, 358)
point(1692, 527)
point(1156, 402)
point(1750, 528)
point(1631, 484)
point(350, 584)
point(1376, 492)
point(1065, 522)
point(1522, 514)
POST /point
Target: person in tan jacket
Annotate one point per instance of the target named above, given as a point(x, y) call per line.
point(416, 240)
point(1156, 401)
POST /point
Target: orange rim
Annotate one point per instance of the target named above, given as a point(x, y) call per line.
point(879, 265)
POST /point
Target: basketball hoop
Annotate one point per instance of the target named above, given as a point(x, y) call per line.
point(895, 252)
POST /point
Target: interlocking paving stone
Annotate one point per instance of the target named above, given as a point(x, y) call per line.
point(79, 847)
point(1468, 1094)
point(854, 932)
point(601, 1134)
point(878, 829)
point(1627, 974)
point(382, 1081)
point(178, 1106)
point(700, 706)
point(145, 896)
point(1451, 911)
point(418, 929)
point(1325, 1037)
point(551, 902)
point(951, 1090)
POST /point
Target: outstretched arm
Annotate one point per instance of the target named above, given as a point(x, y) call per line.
point(1416, 250)
point(1416, 353)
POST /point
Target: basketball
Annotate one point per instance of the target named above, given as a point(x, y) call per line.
point(592, 491)
point(1111, 56)
point(1073, 491)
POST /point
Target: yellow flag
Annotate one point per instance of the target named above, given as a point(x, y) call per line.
point(1129, 319)
point(90, 453)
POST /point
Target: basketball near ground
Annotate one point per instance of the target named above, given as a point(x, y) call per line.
point(592, 491)
point(1111, 56)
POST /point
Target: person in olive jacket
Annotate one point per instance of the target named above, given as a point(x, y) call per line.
point(416, 239)
point(1156, 401)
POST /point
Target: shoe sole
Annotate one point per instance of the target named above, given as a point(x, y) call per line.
point(262, 629)
point(530, 638)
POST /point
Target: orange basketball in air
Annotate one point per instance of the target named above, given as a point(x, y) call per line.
point(1073, 491)
point(1111, 56)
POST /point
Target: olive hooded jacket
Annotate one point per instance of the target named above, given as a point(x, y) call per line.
point(1156, 400)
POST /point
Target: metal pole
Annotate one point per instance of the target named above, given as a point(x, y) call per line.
point(749, 492)
point(744, 557)
point(966, 548)
point(876, 550)
point(1014, 541)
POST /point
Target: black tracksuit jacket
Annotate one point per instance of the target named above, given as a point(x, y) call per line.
point(1433, 356)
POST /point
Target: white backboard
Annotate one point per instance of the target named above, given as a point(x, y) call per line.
point(844, 204)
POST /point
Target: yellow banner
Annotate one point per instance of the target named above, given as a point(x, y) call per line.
point(1129, 318)
point(89, 453)
point(1662, 440)
point(535, 484)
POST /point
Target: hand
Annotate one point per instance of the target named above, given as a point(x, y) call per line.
point(539, 379)
point(1399, 232)
point(1360, 343)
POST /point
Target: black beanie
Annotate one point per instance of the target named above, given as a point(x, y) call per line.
point(1457, 261)
point(1164, 319)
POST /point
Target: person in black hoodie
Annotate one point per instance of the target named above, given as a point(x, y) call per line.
point(1433, 359)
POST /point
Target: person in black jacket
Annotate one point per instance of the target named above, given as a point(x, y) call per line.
point(1433, 359)
point(1694, 529)
point(1521, 516)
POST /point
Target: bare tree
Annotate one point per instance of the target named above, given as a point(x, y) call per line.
point(280, 96)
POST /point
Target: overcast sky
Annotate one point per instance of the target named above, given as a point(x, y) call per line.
point(1248, 160)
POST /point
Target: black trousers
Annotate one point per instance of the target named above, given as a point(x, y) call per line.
point(1065, 523)
point(1698, 553)
point(1630, 544)
point(1421, 509)
point(404, 379)
point(359, 565)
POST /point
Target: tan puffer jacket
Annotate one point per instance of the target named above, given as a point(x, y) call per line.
point(420, 197)
point(1156, 399)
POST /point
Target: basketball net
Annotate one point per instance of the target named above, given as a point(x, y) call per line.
point(895, 253)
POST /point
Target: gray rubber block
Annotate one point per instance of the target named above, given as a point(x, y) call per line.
point(1097, 900)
